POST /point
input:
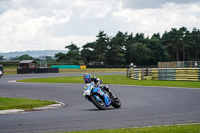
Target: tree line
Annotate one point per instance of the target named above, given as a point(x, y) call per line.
point(123, 48)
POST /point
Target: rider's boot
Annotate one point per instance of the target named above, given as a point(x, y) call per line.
point(108, 90)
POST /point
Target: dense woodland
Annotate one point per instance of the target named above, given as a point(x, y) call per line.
point(123, 48)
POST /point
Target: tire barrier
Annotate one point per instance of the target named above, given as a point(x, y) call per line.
point(37, 70)
point(187, 74)
point(135, 74)
point(163, 74)
point(183, 74)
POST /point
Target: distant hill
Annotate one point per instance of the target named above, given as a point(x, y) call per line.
point(34, 53)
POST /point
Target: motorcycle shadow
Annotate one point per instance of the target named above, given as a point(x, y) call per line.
point(100, 110)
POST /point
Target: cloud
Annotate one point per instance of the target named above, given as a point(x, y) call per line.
point(142, 4)
point(39, 25)
point(24, 28)
point(96, 9)
point(152, 20)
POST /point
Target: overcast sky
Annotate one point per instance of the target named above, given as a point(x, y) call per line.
point(54, 24)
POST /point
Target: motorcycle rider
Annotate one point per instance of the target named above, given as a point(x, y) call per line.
point(97, 83)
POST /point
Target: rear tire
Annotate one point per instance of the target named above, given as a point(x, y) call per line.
point(99, 104)
point(116, 103)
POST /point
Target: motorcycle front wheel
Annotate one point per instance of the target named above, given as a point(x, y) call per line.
point(116, 103)
point(98, 103)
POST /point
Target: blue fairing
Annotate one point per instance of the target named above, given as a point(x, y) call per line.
point(103, 94)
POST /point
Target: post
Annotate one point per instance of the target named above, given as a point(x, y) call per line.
point(142, 74)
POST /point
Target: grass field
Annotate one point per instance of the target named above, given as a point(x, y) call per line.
point(22, 103)
point(190, 128)
point(117, 79)
point(10, 70)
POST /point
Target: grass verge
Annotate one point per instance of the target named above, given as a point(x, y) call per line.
point(118, 80)
point(191, 128)
point(22, 103)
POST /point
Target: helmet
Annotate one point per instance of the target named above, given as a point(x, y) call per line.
point(87, 78)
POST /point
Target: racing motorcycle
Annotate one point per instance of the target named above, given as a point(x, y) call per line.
point(100, 98)
point(1, 71)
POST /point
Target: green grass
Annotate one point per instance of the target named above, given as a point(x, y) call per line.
point(117, 79)
point(191, 128)
point(22, 103)
point(10, 70)
point(70, 79)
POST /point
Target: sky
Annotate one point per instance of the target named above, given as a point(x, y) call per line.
point(54, 24)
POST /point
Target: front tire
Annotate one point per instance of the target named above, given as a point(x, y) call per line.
point(99, 104)
point(116, 103)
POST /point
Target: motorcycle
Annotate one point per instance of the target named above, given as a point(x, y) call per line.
point(100, 98)
point(1, 71)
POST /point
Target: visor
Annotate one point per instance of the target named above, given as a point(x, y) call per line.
point(87, 80)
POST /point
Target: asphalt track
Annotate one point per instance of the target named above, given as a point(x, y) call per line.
point(141, 106)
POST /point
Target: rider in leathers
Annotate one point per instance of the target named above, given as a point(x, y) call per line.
point(97, 82)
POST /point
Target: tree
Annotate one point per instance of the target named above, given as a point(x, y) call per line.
point(1, 57)
point(123, 48)
point(23, 57)
point(73, 53)
point(50, 60)
point(195, 47)
point(116, 50)
point(128, 54)
point(158, 51)
point(174, 40)
point(87, 52)
point(61, 57)
point(140, 53)
point(100, 47)
point(139, 37)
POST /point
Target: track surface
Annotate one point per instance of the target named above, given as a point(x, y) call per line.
point(141, 106)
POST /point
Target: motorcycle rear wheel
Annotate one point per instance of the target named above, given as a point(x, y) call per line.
point(99, 104)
